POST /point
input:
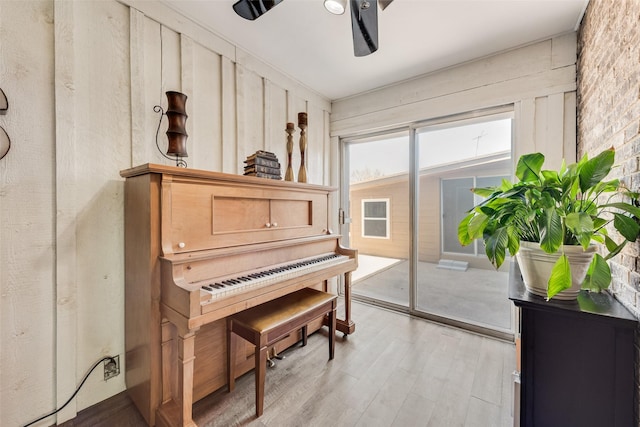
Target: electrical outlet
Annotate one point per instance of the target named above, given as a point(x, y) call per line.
point(111, 368)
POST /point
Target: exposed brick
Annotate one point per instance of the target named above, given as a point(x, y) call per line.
point(608, 107)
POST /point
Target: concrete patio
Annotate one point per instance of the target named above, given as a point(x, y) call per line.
point(474, 296)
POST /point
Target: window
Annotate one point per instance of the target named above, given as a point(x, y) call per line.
point(375, 218)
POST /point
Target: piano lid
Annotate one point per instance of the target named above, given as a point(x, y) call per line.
point(152, 168)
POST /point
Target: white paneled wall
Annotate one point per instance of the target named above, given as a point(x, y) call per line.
point(82, 79)
point(538, 80)
point(27, 213)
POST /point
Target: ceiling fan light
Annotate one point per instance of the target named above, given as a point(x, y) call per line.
point(337, 7)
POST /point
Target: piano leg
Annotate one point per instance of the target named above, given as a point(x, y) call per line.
point(260, 374)
point(346, 326)
point(176, 410)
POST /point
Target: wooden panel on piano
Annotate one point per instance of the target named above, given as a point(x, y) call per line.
point(207, 215)
point(142, 293)
point(184, 227)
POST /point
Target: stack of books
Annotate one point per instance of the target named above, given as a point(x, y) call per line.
point(263, 164)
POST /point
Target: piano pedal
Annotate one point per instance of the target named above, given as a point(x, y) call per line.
point(270, 363)
point(276, 355)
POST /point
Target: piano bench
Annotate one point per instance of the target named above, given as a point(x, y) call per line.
point(268, 323)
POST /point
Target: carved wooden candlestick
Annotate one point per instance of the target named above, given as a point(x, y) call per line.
point(302, 124)
point(288, 176)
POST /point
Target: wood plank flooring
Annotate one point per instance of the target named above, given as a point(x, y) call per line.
point(394, 371)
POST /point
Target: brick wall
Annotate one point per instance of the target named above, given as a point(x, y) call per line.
point(609, 110)
point(608, 107)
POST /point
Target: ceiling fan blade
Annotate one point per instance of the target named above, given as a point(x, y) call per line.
point(364, 26)
point(254, 9)
point(384, 3)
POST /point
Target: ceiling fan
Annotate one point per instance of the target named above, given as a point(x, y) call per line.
point(364, 18)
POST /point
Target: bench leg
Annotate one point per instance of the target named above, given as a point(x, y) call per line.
point(332, 332)
point(261, 365)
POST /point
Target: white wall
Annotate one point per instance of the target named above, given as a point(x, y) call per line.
point(82, 78)
point(538, 80)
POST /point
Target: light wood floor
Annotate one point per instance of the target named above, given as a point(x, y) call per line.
point(393, 371)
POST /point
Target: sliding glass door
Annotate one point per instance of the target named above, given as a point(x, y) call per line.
point(453, 281)
point(405, 194)
point(377, 176)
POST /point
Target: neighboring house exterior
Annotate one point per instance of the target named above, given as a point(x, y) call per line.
point(385, 230)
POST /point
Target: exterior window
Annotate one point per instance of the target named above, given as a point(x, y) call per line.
point(375, 218)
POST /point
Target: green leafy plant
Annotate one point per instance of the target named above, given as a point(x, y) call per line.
point(572, 206)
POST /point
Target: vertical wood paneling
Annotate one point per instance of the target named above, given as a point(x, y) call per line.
point(554, 146)
point(206, 117)
point(277, 123)
point(250, 104)
point(540, 125)
point(334, 179)
point(570, 138)
point(171, 62)
point(187, 71)
point(315, 143)
point(327, 169)
point(145, 57)
point(138, 106)
point(525, 123)
point(102, 149)
point(266, 113)
point(66, 206)
point(145, 148)
point(229, 116)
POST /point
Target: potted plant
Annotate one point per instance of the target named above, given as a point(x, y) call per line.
point(559, 213)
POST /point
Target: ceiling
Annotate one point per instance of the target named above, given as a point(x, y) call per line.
point(303, 40)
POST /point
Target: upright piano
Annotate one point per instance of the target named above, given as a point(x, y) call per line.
point(201, 246)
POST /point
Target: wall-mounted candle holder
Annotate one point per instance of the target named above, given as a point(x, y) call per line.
point(176, 132)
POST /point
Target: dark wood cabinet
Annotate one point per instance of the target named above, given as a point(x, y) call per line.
point(577, 360)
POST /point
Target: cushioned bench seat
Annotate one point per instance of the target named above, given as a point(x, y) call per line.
point(266, 324)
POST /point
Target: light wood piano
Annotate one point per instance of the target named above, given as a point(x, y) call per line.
point(200, 246)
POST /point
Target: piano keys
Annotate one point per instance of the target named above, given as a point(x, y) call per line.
point(221, 287)
point(200, 246)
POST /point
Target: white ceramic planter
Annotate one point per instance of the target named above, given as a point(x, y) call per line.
point(536, 265)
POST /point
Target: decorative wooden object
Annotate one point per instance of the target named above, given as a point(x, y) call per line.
point(302, 124)
point(288, 176)
point(176, 131)
point(570, 352)
point(186, 229)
